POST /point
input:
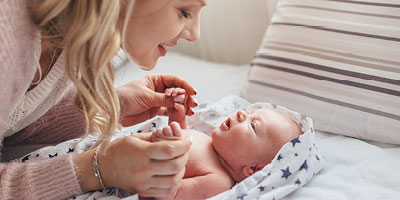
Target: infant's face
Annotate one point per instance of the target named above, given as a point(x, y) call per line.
point(251, 136)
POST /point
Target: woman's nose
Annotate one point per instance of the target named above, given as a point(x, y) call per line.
point(241, 115)
point(192, 32)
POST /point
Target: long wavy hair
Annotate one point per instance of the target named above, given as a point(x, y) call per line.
point(91, 32)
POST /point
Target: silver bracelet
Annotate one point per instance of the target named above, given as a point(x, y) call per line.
point(96, 169)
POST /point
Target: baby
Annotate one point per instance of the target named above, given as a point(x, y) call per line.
point(242, 145)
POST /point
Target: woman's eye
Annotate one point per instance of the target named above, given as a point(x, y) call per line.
point(185, 14)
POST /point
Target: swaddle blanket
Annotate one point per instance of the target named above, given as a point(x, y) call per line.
point(293, 166)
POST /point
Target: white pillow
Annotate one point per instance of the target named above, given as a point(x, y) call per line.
point(335, 61)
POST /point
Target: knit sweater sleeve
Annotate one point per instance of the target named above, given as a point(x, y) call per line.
point(60, 123)
point(53, 178)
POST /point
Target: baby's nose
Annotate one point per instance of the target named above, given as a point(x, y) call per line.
point(241, 115)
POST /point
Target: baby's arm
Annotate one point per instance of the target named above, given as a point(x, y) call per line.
point(202, 187)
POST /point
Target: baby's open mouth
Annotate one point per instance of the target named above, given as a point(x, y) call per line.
point(226, 124)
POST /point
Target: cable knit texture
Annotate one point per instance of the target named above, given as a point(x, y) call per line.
point(42, 115)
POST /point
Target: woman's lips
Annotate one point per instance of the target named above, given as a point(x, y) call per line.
point(163, 49)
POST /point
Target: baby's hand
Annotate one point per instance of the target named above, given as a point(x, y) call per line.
point(178, 112)
point(171, 132)
point(178, 93)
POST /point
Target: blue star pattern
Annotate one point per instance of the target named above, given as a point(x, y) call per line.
point(261, 188)
point(286, 173)
point(304, 165)
point(298, 182)
point(279, 157)
point(295, 140)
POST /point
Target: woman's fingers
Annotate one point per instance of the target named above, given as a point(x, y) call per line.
point(191, 102)
point(169, 167)
point(167, 81)
point(165, 182)
point(168, 149)
point(161, 192)
point(164, 186)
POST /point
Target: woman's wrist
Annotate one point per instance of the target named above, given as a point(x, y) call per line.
point(84, 170)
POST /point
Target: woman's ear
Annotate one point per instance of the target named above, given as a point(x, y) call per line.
point(250, 170)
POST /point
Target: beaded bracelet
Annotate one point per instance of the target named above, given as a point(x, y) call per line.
point(96, 169)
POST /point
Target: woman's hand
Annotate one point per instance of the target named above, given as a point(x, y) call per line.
point(135, 164)
point(145, 98)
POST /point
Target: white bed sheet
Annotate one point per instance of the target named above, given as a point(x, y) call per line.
point(355, 169)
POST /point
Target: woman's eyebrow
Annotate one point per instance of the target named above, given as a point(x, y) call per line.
point(199, 2)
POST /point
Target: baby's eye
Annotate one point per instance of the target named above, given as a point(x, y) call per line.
point(253, 125)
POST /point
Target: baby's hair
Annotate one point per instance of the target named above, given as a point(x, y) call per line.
point(292, 130)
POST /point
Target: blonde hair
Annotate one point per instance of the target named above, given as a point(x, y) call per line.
point(90, 33)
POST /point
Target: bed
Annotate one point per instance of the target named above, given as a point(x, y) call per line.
point(354, 169)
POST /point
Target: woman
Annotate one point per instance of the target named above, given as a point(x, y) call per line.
point(46, 45)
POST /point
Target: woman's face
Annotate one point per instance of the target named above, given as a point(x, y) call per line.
point(155, 25)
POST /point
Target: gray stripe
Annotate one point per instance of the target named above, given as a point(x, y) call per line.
point(340, 31)
point(335, 59)
point(343, 11)
point(368, 3)
point(332, 101)
point(330, 69)
point(319, 77)
point(350, 55)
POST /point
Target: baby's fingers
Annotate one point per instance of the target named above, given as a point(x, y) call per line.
point(180, 98)
point(174, 91)
point(176, 129)
point(167, 131)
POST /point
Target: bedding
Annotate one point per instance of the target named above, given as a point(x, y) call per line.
point(335, 61)
point(354, 168)
point(293, 166)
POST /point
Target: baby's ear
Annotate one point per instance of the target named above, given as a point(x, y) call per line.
point(250, 170)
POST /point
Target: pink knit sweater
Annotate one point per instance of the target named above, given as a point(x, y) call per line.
point(54, 178)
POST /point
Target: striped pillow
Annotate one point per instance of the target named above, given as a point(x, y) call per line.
point(337, 61)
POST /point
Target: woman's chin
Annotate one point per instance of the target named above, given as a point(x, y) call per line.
point(147, 66)
point(145, 63)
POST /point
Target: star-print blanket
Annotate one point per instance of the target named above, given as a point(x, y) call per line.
point(293, 166)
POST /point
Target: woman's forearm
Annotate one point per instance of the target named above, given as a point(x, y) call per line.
point(85, 172)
